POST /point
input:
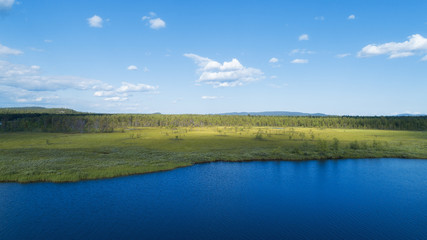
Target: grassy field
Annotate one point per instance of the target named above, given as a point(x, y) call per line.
point(57, 157)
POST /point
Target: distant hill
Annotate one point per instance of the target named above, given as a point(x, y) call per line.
point(410, 115)
point(21, 110)
point(275, 113)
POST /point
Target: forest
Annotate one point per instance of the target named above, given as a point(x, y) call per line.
point(26, 110)
point(103, 123)
point(65, 145)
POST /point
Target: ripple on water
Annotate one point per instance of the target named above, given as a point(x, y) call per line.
point(334, 199)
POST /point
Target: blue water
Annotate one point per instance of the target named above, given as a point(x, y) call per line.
point(334, 199)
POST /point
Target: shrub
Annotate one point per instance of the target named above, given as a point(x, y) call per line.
point(259, 136)
point(335, 144)
point(354, 145)
point(322, 145)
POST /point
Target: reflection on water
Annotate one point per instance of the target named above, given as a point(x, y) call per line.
point(333, 199)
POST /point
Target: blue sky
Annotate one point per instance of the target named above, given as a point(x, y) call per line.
point(335, 57)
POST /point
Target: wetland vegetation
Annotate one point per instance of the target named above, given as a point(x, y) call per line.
point(64, 147)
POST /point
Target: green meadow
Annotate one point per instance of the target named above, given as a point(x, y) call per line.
point(63, 157)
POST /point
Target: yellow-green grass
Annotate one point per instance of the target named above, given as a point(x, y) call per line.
point(57, 157)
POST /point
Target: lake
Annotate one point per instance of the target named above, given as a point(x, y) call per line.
point(333, 199)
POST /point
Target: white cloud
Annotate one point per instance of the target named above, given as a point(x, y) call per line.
point(303, 37)
point(298, 60)
point(351, 17)
point(401, 55)
point(36, 49)
point(152, 14)
point(13, 94)
point(301, 51)
point(228, 74)
point(273, 60)
point(26, 84)
point(416, 44)
point(8, 51)
point(424, 58)
point(210, 97)
point(129, 87)
point(103, 93)
point(30, 78)
point(121, 94)
point(319, 18)
point(343, 55)
point(409, 112)
point(36, 99)
point(116, 99)
point(95, 21)
point(48, 41)
point(132, 68)
point(155, 23)
point(6, 4)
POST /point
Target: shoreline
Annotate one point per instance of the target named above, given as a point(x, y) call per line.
point(203, 162)
point(59, 158)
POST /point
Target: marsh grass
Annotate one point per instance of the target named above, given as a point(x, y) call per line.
point(56, 157)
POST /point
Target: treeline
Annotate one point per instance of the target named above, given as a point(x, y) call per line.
point(27, 110)
point(114, 122)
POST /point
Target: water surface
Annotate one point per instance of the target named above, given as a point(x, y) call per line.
point(334, 199)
